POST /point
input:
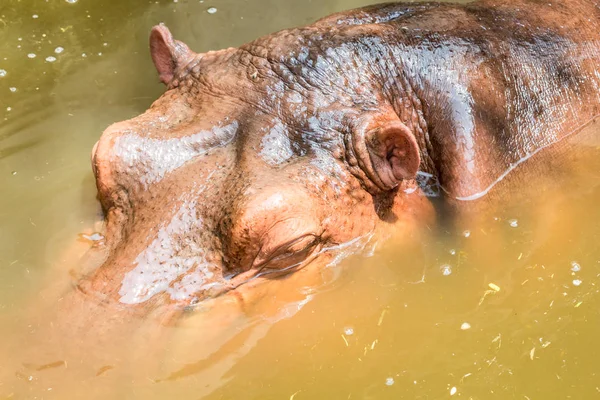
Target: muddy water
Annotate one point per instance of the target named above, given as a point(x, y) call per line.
point(501, 306)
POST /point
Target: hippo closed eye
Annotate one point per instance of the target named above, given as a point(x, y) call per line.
point(259, 160)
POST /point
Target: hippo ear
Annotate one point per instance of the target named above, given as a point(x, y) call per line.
point(168, 54)
point(392, 152)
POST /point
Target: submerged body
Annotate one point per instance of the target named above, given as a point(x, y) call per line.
point(263, 159)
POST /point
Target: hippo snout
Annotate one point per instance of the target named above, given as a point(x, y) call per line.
point(93, 158)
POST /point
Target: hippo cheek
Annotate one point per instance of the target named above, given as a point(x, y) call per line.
point(185, 281)
point(176, 266)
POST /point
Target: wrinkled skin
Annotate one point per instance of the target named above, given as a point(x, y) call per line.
point(261, 160)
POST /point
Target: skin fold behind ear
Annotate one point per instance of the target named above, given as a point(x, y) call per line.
point(168, 54)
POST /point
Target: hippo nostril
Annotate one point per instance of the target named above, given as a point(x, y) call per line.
point(93, 158)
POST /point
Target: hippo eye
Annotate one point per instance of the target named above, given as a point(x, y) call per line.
point(288, 254)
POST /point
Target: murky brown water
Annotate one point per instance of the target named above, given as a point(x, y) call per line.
point(504, 306)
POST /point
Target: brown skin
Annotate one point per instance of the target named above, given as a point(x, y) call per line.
point(260, 160)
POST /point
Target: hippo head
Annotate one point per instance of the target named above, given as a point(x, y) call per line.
point(257, 161)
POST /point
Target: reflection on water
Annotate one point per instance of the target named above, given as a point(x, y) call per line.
point(502, 306)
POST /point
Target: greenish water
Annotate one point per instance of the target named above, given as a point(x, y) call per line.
point(511, 320)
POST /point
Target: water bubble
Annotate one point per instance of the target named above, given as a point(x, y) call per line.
point(577, 282)
point(50, 59)
point(467, 233)
point(35, 16)
point(2, 73)
point(452, 251)
point(349, 331)
point(513, 223)
point(8, 108)
point(71, 1)
point(14, 172)
point(389, 381)
point(453, 391)
point(31, 55)
point(13, 89)
point(212, 10)
point(575, 267)
point(59, 50)
point(465, 326)
point(446, 269)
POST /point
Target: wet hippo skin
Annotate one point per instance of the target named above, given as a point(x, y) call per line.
point(261, 160)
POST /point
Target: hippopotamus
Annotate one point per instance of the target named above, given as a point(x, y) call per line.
point(264, 160)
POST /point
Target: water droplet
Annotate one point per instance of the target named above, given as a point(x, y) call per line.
point(465, 326)
point(349, 331)
point(452, 252)
point(94, 237)
point(446, 269)
point(2, 73)
point(13, 89)
point(212, 10)
point(14, 172)
point(575, 267)
point(494, 287)
point(100, 53)
point(8, 108)
point(83, 55)
point(389, 381)
point(59, 50)
point(453, 391)
point(577, 282)
point(35, 16)
point(467, 233)
point(31, 55)
point(71, 1)
point(104, 44)
point(50, 59)
point(513, 223)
